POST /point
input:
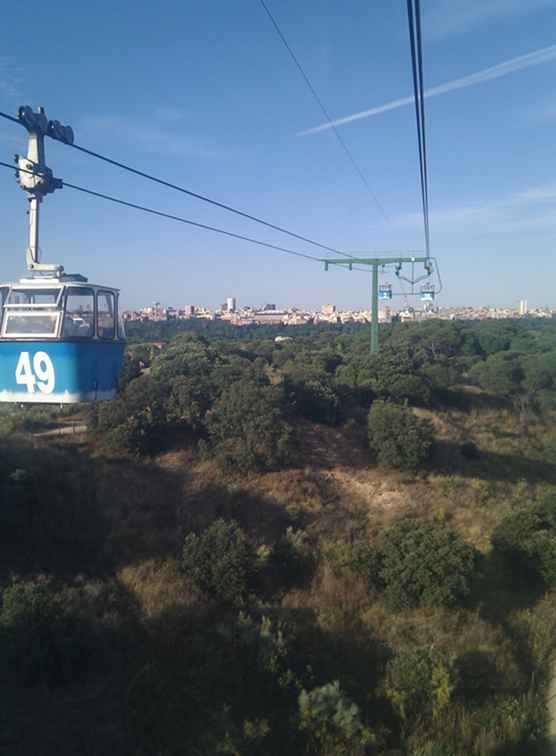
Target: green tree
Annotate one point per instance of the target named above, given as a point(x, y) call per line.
point(398, 437)
point(188, 401)
point(220, 562)
point(45, 638)
point(247, 426)
point(527, 539)
point(332, 722)
point(495, 336)
point(313, 397)
point(424, 563)
point(500, 373)
point(419, 683)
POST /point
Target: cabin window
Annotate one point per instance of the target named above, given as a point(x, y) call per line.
point(31, 312)
point(79, 317)
point(106, 315)
point(34, 297)
point(22, 322)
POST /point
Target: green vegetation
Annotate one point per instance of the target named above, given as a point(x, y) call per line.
point(246, 426)
point(399, 438)
point(267, 548)
point(220, 562)
point(527, 538)
point(425, 564)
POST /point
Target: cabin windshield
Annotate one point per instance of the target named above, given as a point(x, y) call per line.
point(31, 312)
point(34, 297)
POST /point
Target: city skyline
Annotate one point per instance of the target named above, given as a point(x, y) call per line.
point(297, 315)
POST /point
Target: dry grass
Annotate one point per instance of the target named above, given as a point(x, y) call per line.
point(157, 586)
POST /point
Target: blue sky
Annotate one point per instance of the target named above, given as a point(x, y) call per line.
point(204, 94)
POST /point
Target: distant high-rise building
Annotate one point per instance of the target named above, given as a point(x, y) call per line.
point(268, 307)
point(231, 304)
point(328, 309)
point(523, 307)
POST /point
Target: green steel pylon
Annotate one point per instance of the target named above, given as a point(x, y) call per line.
point(381, 262)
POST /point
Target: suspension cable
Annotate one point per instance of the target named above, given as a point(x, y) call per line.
point(196, 195)
point(415, 39)
point(324, 110)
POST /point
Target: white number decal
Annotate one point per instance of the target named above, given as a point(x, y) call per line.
point(24, 374)
point(43, 370)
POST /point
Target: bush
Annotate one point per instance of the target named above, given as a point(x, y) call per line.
point(332, 722)
point(314, 398)
point(188, 402)
point(134, 422)
point(291, 560)
point(527, 539)
point(419, 683)
point(470, 451)
point(425, 564)
point(398, 437)
point(247, 426)
point(45, 637)
point(358, 556)
point(220, 562)
point(500, 373)
point(549, 448)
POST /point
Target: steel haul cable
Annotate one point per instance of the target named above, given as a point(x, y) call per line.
point(415, 39)
point(196, 195)
point(178, 218)
point(169, 216)
point(323, 109)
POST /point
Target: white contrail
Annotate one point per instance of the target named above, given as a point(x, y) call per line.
point(543, 55)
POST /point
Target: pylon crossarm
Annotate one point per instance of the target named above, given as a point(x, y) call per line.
point(375, 261)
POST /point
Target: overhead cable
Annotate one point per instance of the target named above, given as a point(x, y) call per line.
point(324, 110)
point(174, 217)
point(198, 196)
point(10, 118)
point(415, 40)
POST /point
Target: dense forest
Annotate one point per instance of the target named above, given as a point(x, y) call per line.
point(270, 547)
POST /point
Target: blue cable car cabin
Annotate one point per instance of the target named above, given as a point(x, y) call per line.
point(61, 341)
point(427, 293)
point(385, 291)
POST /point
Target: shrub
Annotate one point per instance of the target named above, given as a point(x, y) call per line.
point(291, 560)
point(419, 683)
point(314, 398)
point(45, 638)
point(332, 722)
point(425, 564)
point(247, 426)
point(469, 450)
point(398, 437)
point(527, 539)
point(220, 562)
point(477, 676)
point(500, 373)
point(549, 449)
point(133, 422)
point(358, 556)
point(188, 402)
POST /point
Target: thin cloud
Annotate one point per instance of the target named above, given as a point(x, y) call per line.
point(536, 58)
point(523, 210)
point(445, 17)
point(156, 135)
point(10, 78)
